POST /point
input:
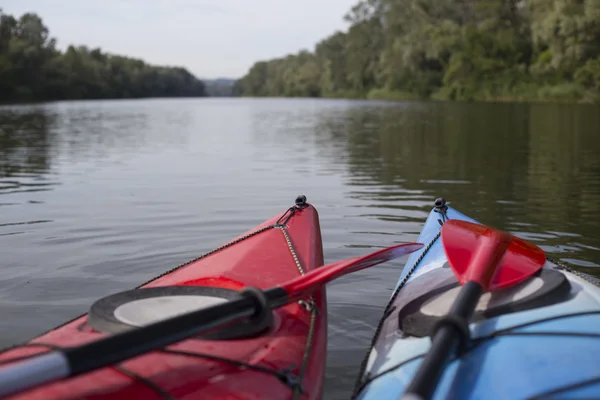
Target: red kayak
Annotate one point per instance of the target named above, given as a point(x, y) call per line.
point(279, 356)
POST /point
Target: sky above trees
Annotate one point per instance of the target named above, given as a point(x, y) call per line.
point(211, 38)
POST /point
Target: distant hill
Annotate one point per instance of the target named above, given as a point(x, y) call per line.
point(219, 87)
point(230, 81)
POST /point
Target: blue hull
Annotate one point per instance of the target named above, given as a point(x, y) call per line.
point(538, 340)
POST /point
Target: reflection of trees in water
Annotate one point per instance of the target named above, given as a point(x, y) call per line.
point(336, 129)
point(307, 125)
point(534, 163)
point(24, 142)
point(564, 160)
point(88, 132)
point(121, 129)
point(93, 130)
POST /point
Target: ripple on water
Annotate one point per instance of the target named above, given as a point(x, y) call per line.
point(100, 196)
point(580, 263)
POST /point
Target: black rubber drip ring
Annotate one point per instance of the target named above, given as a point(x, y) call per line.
point(261, 311)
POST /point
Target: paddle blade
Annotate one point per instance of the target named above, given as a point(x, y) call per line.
point(303, 285)
point(471, 249)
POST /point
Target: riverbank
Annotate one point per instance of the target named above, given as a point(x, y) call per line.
point(566, 93)
point(561, 93)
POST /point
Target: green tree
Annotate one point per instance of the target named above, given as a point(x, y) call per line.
point(32, 69)
point(566, 34)
point(449, 49)
point(331, 55)
point(364, 43)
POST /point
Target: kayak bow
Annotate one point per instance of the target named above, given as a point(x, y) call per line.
point(538, 338)
point(280, 355)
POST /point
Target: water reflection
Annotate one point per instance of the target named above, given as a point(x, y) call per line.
point(24, 146)
point(25, 164)
point(530, 169)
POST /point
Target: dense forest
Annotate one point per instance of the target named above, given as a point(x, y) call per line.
point(31, 68)
point(447, 49)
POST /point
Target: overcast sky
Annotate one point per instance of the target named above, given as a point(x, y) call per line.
point(212, 38)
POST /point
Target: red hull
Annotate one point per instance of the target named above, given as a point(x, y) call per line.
point(263, 260)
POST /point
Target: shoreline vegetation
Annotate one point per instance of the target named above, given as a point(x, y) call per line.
point(461, 50)
point(32, 69)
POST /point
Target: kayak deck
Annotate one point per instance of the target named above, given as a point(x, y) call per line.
point(536, 340)
point(282, 360)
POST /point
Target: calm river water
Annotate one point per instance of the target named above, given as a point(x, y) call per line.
point(97, 197)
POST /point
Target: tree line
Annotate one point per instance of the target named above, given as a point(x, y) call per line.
point(447, 49)
point(32, 69)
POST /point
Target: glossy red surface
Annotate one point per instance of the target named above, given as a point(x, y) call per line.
point(264, 261)
point(472, 249)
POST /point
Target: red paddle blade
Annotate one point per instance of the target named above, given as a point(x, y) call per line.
point(473, 250)
point(303, 285)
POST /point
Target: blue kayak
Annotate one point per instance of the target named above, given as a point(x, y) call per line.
point(539, 339)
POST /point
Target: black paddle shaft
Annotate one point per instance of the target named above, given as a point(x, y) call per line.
point(137, 341)
point(445, 341)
